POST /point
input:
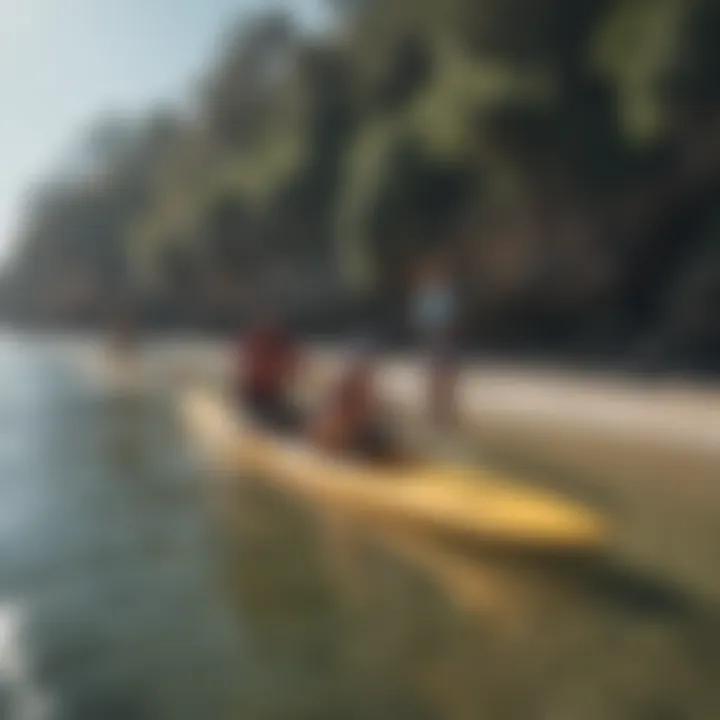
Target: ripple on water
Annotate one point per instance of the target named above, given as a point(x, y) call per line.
point(129, 589)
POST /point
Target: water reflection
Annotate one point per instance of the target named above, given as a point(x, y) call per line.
point(135, 585)
point(392, 626)
point(20, 697)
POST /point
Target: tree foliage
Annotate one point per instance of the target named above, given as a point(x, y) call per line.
point(569, 144)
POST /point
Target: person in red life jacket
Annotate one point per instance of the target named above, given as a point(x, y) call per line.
point(267, 362)
point(349, 422)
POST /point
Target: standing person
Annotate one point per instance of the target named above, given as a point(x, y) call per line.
point(435, 311)
point(267, 361)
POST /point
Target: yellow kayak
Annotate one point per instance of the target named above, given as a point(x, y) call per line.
point(466, 503)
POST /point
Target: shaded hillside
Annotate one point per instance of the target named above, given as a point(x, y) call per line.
point(565, 153)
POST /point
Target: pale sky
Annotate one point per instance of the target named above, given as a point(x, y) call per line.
point(63, 63)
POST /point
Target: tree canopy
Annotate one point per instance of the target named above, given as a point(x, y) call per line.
point(570, 144)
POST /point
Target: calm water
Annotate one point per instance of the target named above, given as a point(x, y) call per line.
point(135, 585)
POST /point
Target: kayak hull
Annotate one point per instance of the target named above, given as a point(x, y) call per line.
point(466, 503)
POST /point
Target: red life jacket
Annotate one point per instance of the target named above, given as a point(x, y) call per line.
point(267, 358)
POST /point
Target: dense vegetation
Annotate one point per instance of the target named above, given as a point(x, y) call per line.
point(565, 153)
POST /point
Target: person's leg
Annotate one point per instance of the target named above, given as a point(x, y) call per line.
point(443, 381)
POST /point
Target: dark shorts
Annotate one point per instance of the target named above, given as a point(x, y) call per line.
point(376, 445)
point(272, 412)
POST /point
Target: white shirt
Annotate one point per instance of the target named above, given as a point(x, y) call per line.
point(435, 308)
